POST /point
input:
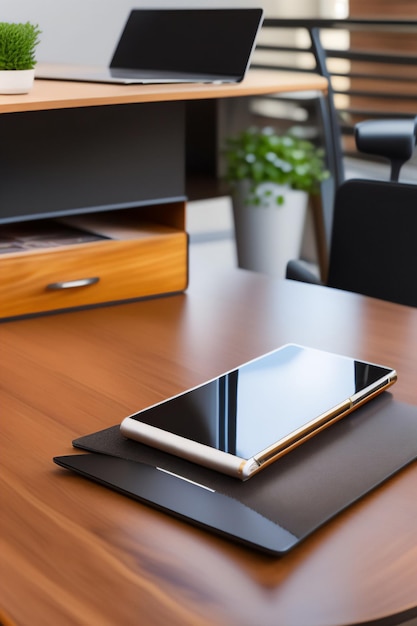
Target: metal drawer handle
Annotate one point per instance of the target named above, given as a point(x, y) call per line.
point(71, 284)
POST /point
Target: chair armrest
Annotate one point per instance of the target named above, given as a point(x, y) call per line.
point(297, 270)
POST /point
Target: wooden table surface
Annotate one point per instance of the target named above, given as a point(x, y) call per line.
point(73, 552)
point(52, 94)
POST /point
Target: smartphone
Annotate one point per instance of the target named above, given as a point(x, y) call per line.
point(243, 420)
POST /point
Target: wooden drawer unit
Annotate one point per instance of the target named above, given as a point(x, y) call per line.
point(92, 259)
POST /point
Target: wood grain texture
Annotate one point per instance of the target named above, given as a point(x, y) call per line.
point(126, 269)
point(49, 94)
point(76, 553)
point(139, 259)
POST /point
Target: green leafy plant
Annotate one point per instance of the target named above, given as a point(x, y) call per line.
point(263, 156)
point(17, 45)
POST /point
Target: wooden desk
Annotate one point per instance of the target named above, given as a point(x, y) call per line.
point(76, 553)
point(47, 94)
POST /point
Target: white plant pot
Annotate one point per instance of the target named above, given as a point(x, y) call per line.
point(16, 81)
point(269, 235)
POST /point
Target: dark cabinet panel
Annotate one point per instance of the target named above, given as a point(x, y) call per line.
point(91, 159)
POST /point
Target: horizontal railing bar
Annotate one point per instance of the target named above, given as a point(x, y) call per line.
point(376, 95)
point(280, 48)
point(378, 114)
point(349, 54)
point(378, 57)
point(346, 24)
point(375, 77)
point(281, 68)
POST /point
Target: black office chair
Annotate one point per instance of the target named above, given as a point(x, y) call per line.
point(374, 235)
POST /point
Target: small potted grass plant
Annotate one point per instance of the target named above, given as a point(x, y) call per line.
point(18, 43)
point(272, 176)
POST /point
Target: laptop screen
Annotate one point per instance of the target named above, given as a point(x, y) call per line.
point(212, 41)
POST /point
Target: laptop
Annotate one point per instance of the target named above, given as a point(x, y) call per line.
point(175, 46)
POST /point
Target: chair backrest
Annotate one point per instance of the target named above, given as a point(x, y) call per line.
point(374, 241)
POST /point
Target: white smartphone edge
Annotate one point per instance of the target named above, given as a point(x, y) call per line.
point(188, 449)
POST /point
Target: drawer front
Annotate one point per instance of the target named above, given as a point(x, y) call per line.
point(99, 272)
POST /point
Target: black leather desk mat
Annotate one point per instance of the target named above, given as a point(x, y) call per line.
point(314, 482)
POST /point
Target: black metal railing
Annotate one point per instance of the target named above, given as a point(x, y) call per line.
point(371, 66)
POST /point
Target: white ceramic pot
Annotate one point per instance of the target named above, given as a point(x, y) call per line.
point(269, 235)
point(16, 81)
